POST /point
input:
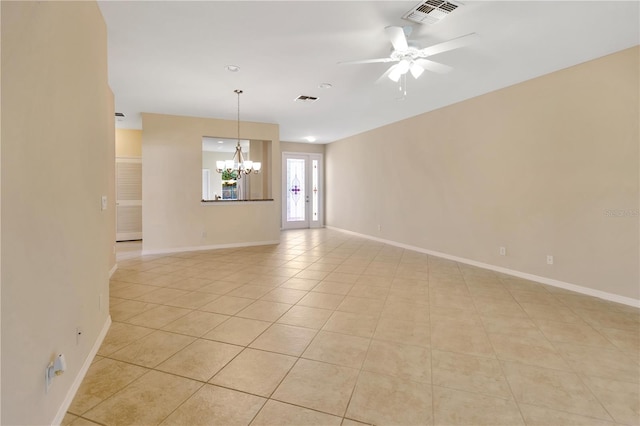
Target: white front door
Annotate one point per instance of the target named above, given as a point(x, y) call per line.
point(301, 190)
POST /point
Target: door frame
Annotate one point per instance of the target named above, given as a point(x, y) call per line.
point(309, 157)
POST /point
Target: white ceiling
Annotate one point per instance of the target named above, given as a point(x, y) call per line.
point(169, 57)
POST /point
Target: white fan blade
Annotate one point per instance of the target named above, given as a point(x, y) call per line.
point(448, 45)
point(397, 38)
point(433, 66)
point(368, 61)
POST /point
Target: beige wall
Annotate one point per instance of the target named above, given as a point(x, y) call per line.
point(57, 161)
point(260, 183)
point(128, 143)
point(0, 239)
point(173, 217)
point(534, 167)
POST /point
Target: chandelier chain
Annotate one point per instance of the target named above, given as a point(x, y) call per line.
point(238, 92)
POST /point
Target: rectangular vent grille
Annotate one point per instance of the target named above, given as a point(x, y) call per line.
point(430, 11)
point(306, 99)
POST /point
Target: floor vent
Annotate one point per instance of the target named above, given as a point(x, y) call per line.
point(431, 11)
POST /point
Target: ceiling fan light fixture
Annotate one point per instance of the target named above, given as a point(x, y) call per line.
point(403, 66)
point(395, 74)
point(409, 56)
point(399, 70)
point(416, 70)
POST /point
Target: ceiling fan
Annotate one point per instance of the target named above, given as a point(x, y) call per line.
point(411, 58)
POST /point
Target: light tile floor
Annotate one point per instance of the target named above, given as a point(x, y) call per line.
point(331, 329)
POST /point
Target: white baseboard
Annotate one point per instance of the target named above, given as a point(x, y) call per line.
point(543, 280)
point(62, 411)
point(127, 255)
point(210, 247)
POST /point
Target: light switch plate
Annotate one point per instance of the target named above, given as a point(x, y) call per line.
point(104, 202)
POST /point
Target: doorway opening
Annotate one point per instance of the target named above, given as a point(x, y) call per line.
point(128, 199)
point(302, 191)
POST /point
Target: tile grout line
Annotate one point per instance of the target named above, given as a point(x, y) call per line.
point(361, 369)
point(500, 362)
point(433, 402)
point(338, 249)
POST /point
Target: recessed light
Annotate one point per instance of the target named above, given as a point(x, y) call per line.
point(232, 68)
point(220, 141)
point(310, 138)
point(325, 85)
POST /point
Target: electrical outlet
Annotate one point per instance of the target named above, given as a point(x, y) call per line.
point(549, 259)
point(54, 369)
point(503, 251)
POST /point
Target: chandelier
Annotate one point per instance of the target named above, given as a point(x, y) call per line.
point(238, 166)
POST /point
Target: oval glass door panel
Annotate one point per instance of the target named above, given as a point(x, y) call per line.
point(296, 193)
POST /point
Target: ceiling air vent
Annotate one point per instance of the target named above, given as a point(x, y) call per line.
point(306, 99)
point(430, 11)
